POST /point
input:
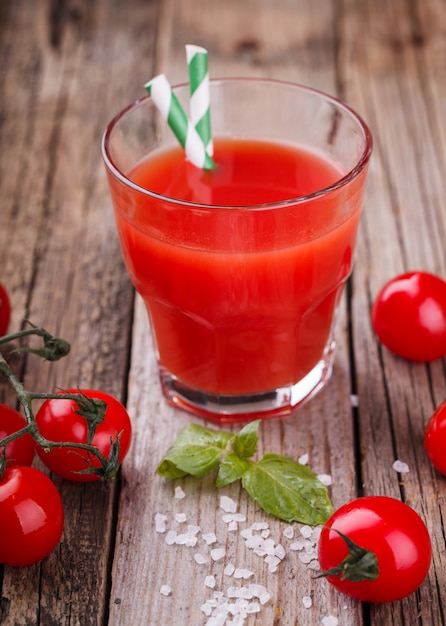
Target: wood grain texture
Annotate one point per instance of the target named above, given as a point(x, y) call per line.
point(66, 67)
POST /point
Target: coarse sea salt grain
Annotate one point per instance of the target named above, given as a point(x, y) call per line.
point(228, 504)
point(170, 537)
point(401, 467)
point(303, 459)
point(200, 559)
point(180, 517)
point(160, 523)
point(179, 493)
point(209, 538)
point(243, 573)
point(325, 479)
point(307, 602)
point(217, 554)
point(209, 581)
point(330, 620)
point(165, 590)
point(229, 569)
point(288, 532)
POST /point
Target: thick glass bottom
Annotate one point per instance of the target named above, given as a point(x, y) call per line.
point(227, 409)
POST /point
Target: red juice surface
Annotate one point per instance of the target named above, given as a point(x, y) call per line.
point(241, 300)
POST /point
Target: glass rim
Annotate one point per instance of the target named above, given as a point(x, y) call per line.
point(353, 173)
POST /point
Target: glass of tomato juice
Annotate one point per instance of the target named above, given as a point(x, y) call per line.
point(241, 267)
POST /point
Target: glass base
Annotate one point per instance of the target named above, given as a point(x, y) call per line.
point(227, 409)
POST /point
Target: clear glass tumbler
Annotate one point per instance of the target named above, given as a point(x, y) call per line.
point(241, 268)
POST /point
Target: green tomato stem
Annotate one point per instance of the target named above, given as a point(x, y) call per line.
point(92, 409)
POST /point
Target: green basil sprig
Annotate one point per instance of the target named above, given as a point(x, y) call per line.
point(280, 485)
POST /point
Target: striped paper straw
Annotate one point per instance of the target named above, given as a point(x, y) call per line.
point(197, 61)
point(183, 129)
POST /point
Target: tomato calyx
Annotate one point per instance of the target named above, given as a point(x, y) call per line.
point(53, 349)
point(360, 564)
point(93, 411)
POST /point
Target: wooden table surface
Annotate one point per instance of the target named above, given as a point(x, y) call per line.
point(66, 67)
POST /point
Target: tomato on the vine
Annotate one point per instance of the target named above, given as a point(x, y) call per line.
point(19, 451)
point(435, 438)
point(5, 310)
point(58, 420)
point(31, 516)
point(409, 316)
point(396, 549)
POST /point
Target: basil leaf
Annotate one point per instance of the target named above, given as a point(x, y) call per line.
point(231, 468)
point(244, 443)
point(288, 490)
point(196, 451)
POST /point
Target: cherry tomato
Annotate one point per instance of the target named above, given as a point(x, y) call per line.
point(391, 530)
point(435, 438)
point(31, 516)
point(57, 420)
point(409, 316)
point(5, 311)
point(21, 450)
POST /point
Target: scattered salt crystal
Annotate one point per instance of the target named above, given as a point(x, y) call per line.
point(253, 607)
point(229, 569)
point(288, 532)
point(279, 551)
point(200, 559)
point(314, 565)
point(209, 538)
point(265, 533)
point(260, 592)
point(259, 526)
point(243, 573)
point(165, 590)
point(179, 493)
point(160, 523)
point(246, 533)
point(170, 537)
point(400, 467)
point(269, 546)
point(255, 541)
point(186, 539)
point(234, 517)
point(306, 557)
point(272, 561)
point(232, 526)
point(354, 400)
point(330, 620)
point(209, 581)
point(306, 531)
point(193, 529)
point(298, 545)
point(228, 504)
point(325, 479)
point(307, 602)
point(217, 554)
point(303, 460)
point(180, 517)
point(206, 608)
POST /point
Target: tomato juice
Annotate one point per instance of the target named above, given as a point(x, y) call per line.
point(242, 267)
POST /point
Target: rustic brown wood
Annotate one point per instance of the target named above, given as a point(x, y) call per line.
point(66, 67)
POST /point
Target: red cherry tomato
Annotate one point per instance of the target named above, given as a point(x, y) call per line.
point(5, 311)
point(435, 438)
point(390, 529)
point(21, 450)
point(31, 516)
point(57, 420)
point(409, 316)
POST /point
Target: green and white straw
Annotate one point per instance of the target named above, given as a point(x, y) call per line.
point(184, 130)
point(199, 106)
